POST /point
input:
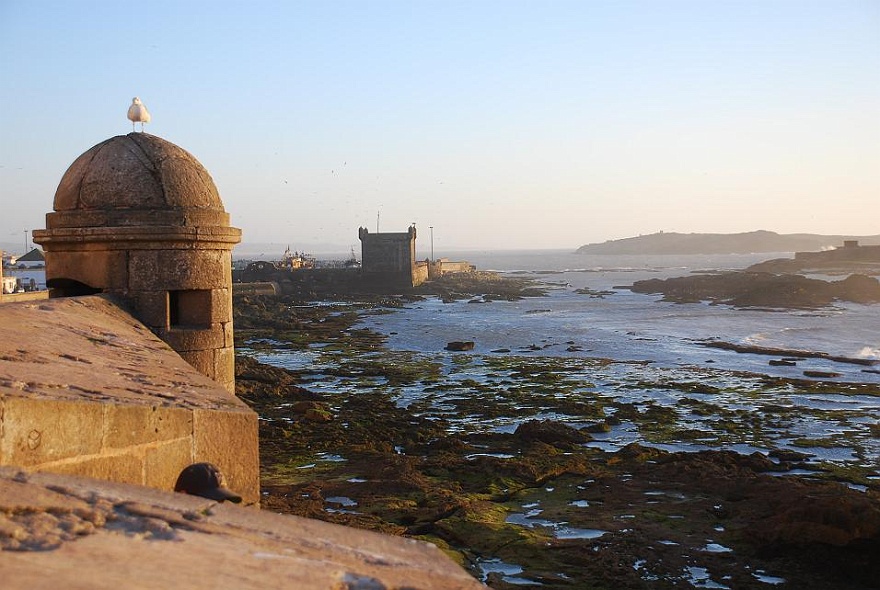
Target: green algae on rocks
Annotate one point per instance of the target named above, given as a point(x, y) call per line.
point(544, 464)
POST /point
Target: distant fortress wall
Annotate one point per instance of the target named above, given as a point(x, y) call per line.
point(256, 288)
point(317, 282)
point(388, 265)
point(421, 272)
point(450, 266)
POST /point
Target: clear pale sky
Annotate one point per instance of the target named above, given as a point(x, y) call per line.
point(502, 124)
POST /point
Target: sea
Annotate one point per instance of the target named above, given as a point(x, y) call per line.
point(610, 345)
point(613, 322)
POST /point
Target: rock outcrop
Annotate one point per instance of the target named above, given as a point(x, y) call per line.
point(754, 289)
point(460, 345)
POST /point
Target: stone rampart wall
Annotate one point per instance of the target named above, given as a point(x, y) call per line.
point(323, 281)
point(309, 282)
point(29, 296)
point(447, 266)
point(86, 389)
point(145, 445)
point(260, 288)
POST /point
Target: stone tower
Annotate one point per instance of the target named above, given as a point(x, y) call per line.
point(389, 259)
point(388, 252)
point(139, 218)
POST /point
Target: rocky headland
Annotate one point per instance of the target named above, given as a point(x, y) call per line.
point(541, 505)
point(829, 263)
point(740, 243)
point(762, 289)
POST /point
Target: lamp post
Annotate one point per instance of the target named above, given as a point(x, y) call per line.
point(431, 227)
point(25, 241)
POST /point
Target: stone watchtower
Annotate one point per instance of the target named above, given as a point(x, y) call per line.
point(139, 218)
point(389, 259)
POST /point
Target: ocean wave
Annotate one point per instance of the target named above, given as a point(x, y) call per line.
point(756, 338)
point(868, 352)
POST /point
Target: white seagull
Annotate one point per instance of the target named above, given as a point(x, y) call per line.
point(138, 113)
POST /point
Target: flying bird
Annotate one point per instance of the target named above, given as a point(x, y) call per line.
point(138, 113)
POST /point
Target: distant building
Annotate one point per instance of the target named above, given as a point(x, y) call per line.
point(851, 253)
point(388, 251)
point(33, 259)
point(29, 271)
point(7, 284)
point(391, 257)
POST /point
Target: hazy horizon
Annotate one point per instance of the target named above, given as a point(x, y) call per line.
point(501, 124)
point(330, 251)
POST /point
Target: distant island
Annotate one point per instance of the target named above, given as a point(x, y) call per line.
point(755, 242)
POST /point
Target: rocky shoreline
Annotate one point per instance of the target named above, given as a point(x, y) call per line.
point(762, 289)
point(539, 505)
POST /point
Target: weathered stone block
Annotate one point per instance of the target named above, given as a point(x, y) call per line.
point(177, 269)
point(123, 468)
point(224, 367)
point(126, 426)
point(164, 462)
point(229, 440)
point(151, 308)
point(103, 269)
point(143, 268)
point(221, 304)
point(228, 335)
point(38, 431)
point(73, 218)
point(186, 339)
point(201, 360)
point(226, 265)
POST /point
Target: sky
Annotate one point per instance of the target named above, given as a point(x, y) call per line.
point(500, 124)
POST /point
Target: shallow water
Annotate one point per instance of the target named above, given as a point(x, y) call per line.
point(632, 326)
point(651, 405)
point(663, 388)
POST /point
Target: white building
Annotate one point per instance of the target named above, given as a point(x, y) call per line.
point(29, 271)
point(7, 284)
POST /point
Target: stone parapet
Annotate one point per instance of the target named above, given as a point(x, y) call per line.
point(60, 531)
point(27, 296)
point(87, 389)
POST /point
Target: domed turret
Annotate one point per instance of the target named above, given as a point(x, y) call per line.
point(140, 218)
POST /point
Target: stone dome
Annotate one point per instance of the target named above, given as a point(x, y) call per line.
point(137, 178)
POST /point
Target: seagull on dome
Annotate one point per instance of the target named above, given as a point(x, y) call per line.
point(138, 113)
